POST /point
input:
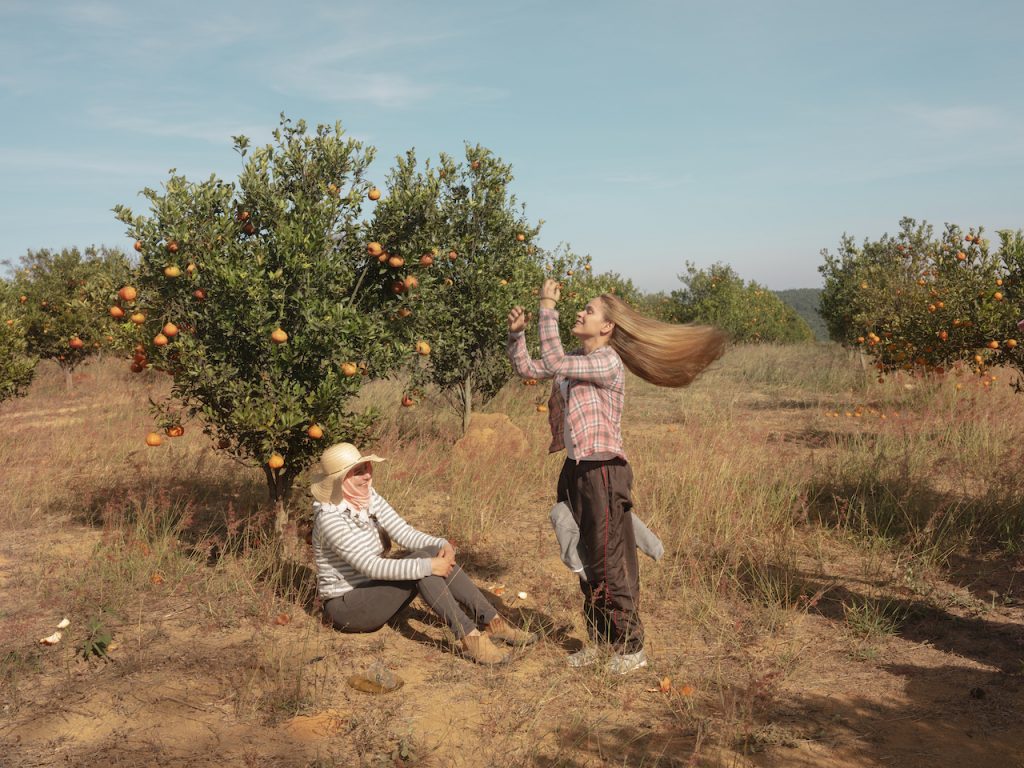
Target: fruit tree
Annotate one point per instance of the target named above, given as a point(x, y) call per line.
point(457, 249)
point(260, 298)
point(748, 312)
point(921, 303)
point(63, 303)
point(16, 364)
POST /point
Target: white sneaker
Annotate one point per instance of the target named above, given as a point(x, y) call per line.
point(584, 658)
point(623, 663)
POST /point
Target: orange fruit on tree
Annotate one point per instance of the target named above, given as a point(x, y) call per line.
point(961, 256)
point(160, 340)
point(542, 408)
point(153, 440)
point(404, 312)
point(175, 430)
point(998, 296)
point(172, 271)
point(172, 246)
point(276, 461)
point(126, 294)
point(993, 344)
point(349, 369)
point(374, 248)
point(138, 318)
point(278, 336)
point(373, 194)
point(407, 401)
point(76, 343)
point(520, 237)
point(1010, 343)
point(315, 432)
point(200, 294)
point(137, 366)
point(453, 255)
point(243, 215)
point(411, 282)
point(397, 287)
point(426, 259)
point(332, 188)
point(116, 312)
point(395, 262)
point(422, 348)
point(170, 330)
point(249, 228)
point(138, 246)
point(191, 268)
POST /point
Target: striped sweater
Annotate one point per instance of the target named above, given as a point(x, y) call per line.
point(348, 550)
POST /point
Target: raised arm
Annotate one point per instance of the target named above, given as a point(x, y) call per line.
point(524, 366)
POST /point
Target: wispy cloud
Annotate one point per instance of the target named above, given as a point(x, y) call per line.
point(650, 180)
point(949, 122)
point(85, 162)
point(174, 123)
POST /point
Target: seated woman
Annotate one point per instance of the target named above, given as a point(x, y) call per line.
point(362, 588)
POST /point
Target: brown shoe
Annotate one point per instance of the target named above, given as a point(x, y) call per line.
point(480, 649)
point(499, 629)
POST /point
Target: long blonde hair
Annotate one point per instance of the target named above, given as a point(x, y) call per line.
point(665, 354)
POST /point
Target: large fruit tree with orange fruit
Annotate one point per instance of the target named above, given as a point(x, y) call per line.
point(264, 301)
point(921, 303)
point(62, 302)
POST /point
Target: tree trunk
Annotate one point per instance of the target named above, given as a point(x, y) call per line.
point(68, 384)
point(279, 486)
point(467, 402)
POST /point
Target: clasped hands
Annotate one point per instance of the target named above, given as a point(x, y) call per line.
point(443, 564)
point(550, 293)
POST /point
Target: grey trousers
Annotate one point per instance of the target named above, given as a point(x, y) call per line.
point(370, 606)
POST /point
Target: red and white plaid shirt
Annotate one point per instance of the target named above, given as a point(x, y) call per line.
point(597, 387)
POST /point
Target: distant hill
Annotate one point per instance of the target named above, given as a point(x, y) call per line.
point(805, 302)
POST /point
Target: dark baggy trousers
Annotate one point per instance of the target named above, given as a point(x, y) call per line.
point(370, 606)
point(598, 493)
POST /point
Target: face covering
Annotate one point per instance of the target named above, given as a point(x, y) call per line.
point(359, 497)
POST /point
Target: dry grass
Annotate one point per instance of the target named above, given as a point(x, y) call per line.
point(825, 574)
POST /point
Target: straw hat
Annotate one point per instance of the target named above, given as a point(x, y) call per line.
point(334, 464)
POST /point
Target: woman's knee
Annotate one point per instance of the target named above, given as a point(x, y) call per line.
point(432, 551)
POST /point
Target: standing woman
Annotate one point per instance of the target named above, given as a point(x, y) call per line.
point(585, 415)
point(362, 588)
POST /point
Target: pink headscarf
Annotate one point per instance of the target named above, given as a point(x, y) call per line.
point(358, 498)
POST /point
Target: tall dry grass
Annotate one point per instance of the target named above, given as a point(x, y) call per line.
point(754, 477)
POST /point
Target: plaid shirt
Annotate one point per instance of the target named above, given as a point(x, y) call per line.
point(597, 386)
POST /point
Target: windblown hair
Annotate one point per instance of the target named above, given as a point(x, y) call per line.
point(665, 354)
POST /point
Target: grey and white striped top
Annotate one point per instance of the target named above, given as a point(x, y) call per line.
point(348, 550)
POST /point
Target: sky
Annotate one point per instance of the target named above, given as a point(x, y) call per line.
point(645, 134)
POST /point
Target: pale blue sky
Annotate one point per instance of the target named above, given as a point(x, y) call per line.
point(644, 133)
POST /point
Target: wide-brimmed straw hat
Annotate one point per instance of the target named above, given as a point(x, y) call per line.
point(330, 471)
